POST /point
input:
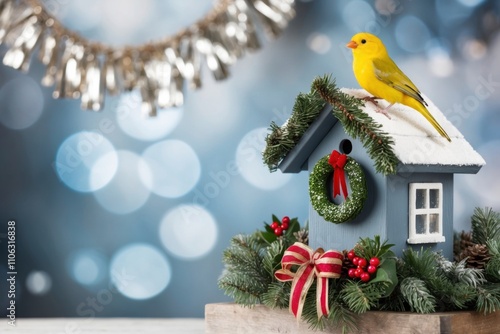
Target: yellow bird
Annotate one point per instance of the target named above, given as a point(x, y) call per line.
point(377, 73)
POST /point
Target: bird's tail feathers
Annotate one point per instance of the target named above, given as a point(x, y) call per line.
point(428, 116)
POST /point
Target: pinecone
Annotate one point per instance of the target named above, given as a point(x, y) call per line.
point(302, 236)
point(461, 242)
point(346, 264)
point(477, 256)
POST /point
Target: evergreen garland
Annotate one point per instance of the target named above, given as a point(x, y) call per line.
point(347, 109)
point(426, 281)
point(358, 124)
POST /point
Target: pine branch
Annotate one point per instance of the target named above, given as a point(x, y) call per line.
point(492, 268)
point(360, 297)
point(417, 295)
point(488, 300)
point(273, 256)
point(277, 295)
point(359, 125)
point(245, 278)
point(282, 139)
point(485, 225)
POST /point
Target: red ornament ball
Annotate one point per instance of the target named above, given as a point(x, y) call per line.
point(284, 226)
point(371, 269)
point(351, 273)
point(355, 260)
point(351, 255)
point(274, 225)
point(358, 272)
point(375, 261)
point(365, 277)
point(278, 231)
point(285, 220)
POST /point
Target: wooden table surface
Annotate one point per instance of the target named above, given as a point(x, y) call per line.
point(103, 325)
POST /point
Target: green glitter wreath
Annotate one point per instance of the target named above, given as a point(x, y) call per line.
point(353, 204)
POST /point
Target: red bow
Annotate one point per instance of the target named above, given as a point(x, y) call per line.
point(321, 264)
point(338, 161)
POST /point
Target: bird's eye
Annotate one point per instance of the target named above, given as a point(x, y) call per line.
point(363, 41)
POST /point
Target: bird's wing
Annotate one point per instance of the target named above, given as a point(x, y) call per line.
point(389, 73)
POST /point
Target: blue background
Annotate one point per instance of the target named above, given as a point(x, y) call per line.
point(144, 237)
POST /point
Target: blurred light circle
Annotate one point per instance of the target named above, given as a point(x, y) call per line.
point(140, 271)
point(471, 3)
point(412, 34)
point(474, 49)
point(135, 124)
point(38, 282)
point(125, 193)
point(319, 43)
point(250, 165)
point(88, 266)
point(360, 16)
point(440, 62)
point(22, 103)
point(188, 231)
point(77, 156)
point(174, 168)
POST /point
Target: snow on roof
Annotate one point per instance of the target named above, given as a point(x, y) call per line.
point(416, 142)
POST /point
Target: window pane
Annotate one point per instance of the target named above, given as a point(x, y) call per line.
point(420, 198)
point(420, 224)
point(434, 198)
point(434, 223)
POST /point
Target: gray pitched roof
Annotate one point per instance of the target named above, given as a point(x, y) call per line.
point(416, 142)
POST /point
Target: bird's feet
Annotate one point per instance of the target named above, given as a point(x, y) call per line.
point(384, 111)
point(372, 99)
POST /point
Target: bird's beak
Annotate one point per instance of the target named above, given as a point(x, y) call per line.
point(352, 45)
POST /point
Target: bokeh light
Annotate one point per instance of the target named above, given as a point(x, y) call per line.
point(125, 193)
point(174, 168)
point(140, 271)
point(188, 231)
point(412, 34)
point(359, 16)
point(38, 282)
point(135, 124)
point(22, 103)
point(250, 165)
point(76, 159)
point(87, 266)
point(319, 43)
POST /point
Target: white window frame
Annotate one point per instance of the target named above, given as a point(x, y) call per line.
point(427, 237)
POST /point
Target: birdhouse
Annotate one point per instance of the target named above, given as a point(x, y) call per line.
point(412, 207)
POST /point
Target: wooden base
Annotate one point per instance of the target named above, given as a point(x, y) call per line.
point(229, 318)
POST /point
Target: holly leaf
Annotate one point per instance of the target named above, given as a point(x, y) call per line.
point(268, 237)
point(276, 219)
point(293, 227)
point(386, 273)
point(268, 228)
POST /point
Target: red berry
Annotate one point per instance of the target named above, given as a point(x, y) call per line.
point(278, 231)
point(362, 262)
point(375, 261)
point(284, 226)
point(365, 277)
point(351, 255)
point(358, 272)
point(351, 273)
point(285, 220)
point(371, 269)
point(355, 260)
point(274, 225)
